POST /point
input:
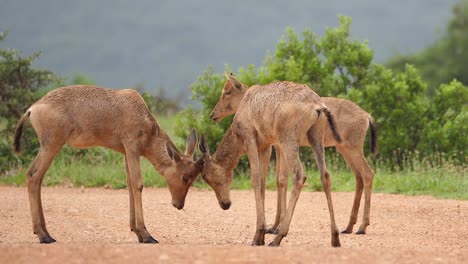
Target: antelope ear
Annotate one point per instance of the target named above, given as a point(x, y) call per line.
point(236, 83)
point(203, 147)
point(191, 143)
point(173, 153)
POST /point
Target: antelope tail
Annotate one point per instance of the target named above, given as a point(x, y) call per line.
point(331, 122)
point(373, 134)
point(19, 132)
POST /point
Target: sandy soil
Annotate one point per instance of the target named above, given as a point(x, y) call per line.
point(91, 226)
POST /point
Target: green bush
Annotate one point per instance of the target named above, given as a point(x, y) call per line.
point(408, 121)
point(20, 86)
point(398, 105)
point(445, 59)
point(447, 129)
point(206, 90)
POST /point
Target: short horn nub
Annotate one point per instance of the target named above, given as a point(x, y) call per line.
point(202, 144)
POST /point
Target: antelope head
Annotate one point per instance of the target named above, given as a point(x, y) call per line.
point(184, 170)
point(217, 176)
point(231, 96)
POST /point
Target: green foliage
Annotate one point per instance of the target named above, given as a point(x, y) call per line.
point(409, 122)
point(445, 59)
point(88, 170)
point(81, 79)
point(398, 105)
point(335, 63)
point(448, 181)
point(159, 104)
point(447, 129)
point(206, 90)
point(19, 88)
point(337, 66)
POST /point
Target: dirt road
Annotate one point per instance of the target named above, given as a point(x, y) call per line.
point(91, 226)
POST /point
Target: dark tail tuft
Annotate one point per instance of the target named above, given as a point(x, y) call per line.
point(331, 122)
point(373, 134)
point(19, 132)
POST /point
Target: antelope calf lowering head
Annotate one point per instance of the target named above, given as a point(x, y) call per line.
point(183, 171)
point(217, 175)
point(86, 116)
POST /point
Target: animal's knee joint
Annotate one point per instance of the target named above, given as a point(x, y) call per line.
point(139, 187)
point(32, 172)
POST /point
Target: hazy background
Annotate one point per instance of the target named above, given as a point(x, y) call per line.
point(169, 43)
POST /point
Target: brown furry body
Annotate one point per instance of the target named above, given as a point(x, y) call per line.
point(88, 116)
point(281, 114)
point(352, 125)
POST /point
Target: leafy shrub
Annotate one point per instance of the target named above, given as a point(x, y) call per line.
point(20, 86)
point(335, 65)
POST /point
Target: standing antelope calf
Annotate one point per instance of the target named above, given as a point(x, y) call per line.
point(281, 114)
point(87, 116)
point(352, 124)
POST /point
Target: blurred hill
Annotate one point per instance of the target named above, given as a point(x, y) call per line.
point(167, 44)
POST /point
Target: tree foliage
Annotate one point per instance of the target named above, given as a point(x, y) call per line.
point(20, 86)
point(445, 59)
point(336, 65)
point(334, 62)
point(205, 90)
point(397, 103)
point(447, 128)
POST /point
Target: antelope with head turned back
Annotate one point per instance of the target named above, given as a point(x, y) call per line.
point(281, 114)
point(352, 124)
point(87, 116)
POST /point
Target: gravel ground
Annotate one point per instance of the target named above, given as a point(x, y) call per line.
point(91, 226)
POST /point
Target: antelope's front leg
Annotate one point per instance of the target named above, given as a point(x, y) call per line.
point(132, 203)
point(136, 185)
point(255, 170)
point(264, 157)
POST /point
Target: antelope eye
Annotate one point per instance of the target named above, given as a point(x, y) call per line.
point(227, 93)
point(185, 179)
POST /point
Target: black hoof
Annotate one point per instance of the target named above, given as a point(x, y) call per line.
point(273, 244)
point(47, 240)
point(257, 243)
point(150, 240)
point(346, 231)
point(277, 241)
point(360, 232)
point(336, 244)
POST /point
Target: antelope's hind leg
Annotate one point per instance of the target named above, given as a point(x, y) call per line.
point(34, 177)
point(364, 178)
point(299, 178)
point(281, 175)
point(367, 177)
point(319, 153)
